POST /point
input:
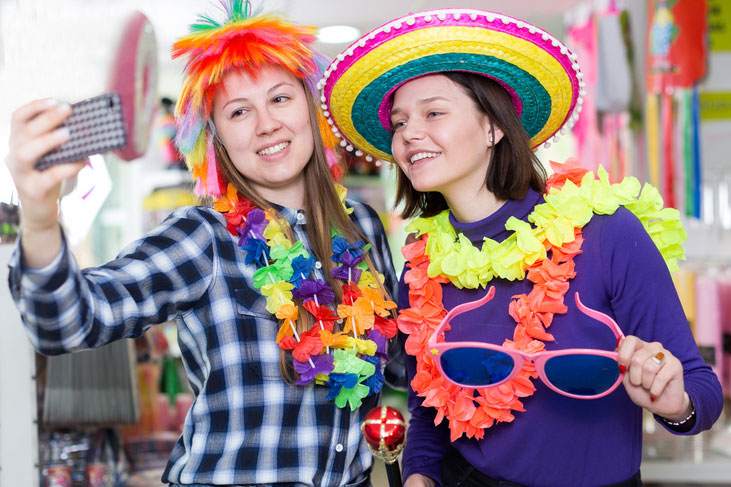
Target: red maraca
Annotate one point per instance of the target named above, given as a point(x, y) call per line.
point(385, 432)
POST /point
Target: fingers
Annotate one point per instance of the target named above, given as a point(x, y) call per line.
point(31, 150)
point(35, 131)
point(648, 365)
point(669, 369)
point(32, 109)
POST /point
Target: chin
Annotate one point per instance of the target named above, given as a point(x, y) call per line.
point(424, 186)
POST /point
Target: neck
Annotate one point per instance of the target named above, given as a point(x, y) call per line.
point(292, 196)
point(468, 207)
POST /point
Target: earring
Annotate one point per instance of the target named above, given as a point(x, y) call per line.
point(492, 139)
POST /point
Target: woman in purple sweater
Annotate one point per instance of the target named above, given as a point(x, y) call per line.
point(459, 99)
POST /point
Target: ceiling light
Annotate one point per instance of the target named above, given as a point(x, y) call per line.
point(338, 34)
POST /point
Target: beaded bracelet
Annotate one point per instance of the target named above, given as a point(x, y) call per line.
point(682, 421)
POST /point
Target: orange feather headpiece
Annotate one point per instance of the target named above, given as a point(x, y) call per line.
point(244, 41)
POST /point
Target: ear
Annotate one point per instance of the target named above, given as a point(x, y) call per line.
point(492, 132)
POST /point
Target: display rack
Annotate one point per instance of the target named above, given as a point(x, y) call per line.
point(18, 408)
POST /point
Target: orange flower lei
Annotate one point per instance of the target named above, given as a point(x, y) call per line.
point(471, 410)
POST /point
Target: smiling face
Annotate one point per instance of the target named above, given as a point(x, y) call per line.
point(264, 125)
point(441, 140)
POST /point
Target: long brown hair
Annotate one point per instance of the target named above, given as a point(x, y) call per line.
point(323, 209)
point(513, 166)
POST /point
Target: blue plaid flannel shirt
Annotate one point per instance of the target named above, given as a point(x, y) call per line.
point(246, 426)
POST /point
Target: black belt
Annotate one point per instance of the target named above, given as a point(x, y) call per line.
point(458, 472)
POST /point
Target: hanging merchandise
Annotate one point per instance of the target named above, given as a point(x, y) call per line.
point(600, 37)
point(164, 132)
point(705, 291)
point(709, 324)
point(581, 38)
point(92, 387)
point(676, 58)
point(695, 140)
point(614, 78)
point(9, 222)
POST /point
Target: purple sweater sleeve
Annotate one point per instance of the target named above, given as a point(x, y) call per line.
point(425, 445)
point(646, 305)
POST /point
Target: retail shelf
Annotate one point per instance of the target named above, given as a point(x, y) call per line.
point(711, 471)
point(151, 180)
point(703, 459)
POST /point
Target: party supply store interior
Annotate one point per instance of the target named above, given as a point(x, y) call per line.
point(657, 77)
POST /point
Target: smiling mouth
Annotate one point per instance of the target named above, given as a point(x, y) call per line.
point(423, 155)
point(270, 151)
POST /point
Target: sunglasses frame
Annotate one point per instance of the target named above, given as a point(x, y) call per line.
point(519, 358)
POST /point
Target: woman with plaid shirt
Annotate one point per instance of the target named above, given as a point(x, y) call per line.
point(280, 290)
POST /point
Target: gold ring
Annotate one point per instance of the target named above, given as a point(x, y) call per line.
point(658, 357)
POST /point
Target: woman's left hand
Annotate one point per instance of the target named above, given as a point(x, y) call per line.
point(654, 378)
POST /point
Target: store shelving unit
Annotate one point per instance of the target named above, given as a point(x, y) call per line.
point(18, 406)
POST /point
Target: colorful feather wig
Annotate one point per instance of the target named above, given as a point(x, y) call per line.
point(247, 41)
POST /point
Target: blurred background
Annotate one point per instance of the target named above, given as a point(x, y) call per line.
point(658, 107)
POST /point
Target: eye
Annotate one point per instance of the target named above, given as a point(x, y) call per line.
point(433, 113)
point(237, 113)
point(397, 125)
point(280, 99)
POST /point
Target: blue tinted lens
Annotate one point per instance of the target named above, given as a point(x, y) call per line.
point(583, 375)
point(476, 367)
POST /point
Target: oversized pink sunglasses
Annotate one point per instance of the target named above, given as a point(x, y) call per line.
point(581, 373)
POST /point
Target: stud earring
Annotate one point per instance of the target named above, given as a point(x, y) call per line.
point(492, 139)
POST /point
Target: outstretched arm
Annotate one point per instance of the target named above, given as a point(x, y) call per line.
point(34, 131)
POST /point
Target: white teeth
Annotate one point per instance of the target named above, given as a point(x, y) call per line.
point(273, 149)
point(423, 155)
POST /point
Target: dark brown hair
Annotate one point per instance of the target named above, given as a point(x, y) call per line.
point(322, 207)
point(513, 166)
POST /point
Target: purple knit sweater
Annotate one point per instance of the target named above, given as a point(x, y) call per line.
point(559, 441)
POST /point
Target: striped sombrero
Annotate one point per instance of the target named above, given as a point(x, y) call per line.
point(540, 73)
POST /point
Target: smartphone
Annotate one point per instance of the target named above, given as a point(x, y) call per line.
point(96, 126)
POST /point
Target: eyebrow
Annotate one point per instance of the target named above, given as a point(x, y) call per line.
point(269, 91)
point(423, 101)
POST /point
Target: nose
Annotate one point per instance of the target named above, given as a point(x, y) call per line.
point(267, 123)
point(413, 130)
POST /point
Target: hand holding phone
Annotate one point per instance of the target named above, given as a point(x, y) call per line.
point(96, 126)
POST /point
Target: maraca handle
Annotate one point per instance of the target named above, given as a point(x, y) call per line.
point(393, 472)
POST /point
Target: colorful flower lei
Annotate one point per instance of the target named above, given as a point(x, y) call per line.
point(542, 253)
point(350, 365)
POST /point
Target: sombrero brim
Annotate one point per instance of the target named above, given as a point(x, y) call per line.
point(538, 71)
